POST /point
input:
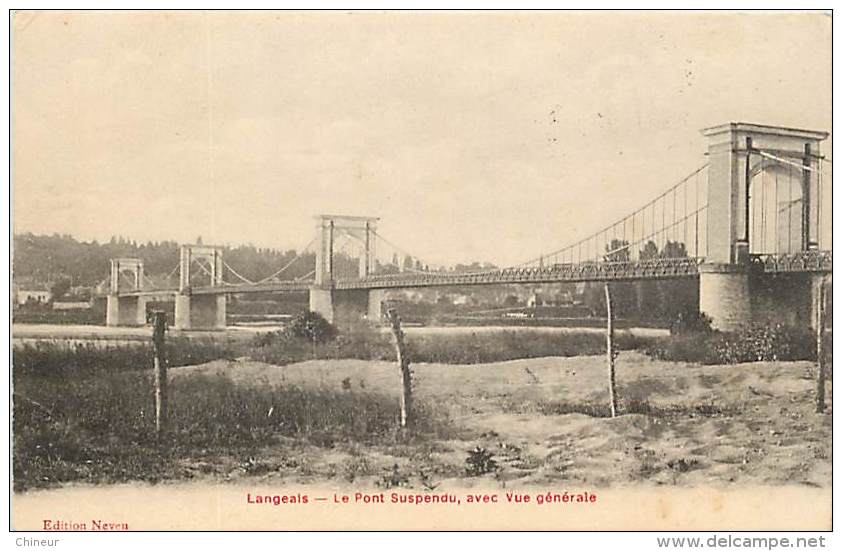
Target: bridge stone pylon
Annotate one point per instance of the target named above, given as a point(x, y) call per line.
point(195, 310)
point(740, 156)
point(125, 310)
point(324, 299)
point(329, 227)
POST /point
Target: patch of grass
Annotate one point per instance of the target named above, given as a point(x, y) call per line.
point(627, 407)
point(93, 316)
point(473, 348)
point(510, 345)
point(54, 359)
point(100, 428)
point(57, 359)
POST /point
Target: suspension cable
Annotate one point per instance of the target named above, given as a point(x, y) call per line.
point(402, 251)
point(173, 271)
point(298, 256)
point(785, 161)
point(202, 266)
point(597, 233)
point(308, 274)
point(662, 230)
point(236, 274)
point(126, 278)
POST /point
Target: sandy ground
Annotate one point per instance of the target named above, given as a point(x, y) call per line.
point(727, 448)
point(748, 424)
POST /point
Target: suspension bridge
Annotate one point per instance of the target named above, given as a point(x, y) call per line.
point(747, 223)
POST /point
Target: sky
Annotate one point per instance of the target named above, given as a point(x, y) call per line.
point(473, 136)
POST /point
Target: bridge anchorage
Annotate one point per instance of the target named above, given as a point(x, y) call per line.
point(747, 225)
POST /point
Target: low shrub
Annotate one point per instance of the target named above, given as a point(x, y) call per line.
point(479, 462)
point(306, 326)
point(312, 327)
point(691, 322)
point(751, 343)
point(767, 342)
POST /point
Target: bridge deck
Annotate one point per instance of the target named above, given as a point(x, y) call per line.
point(807, 261)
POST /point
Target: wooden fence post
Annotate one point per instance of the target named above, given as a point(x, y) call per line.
point(820, 363)
point(160, 367)
point(609, 350)
point(406, 418)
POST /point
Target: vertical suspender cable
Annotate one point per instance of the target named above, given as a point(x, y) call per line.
point(696, 240)
point(817, 200)
point(762, 209)
point(775, 221)
point(789, 212)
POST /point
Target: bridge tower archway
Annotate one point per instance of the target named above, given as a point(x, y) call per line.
point(200, 264)
point(126, 270)
point(208, 260)
point(741, 157)
point(763, 190)
point(777, 221)
point(329, 227)
point(126, 276)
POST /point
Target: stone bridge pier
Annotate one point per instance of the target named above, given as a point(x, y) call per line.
point(125, 311)
point(733, 296)
point(731, 291)
point(200, 311)
point(344, 307)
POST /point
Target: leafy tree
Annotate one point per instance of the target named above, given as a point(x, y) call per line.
point(60, 288)
point(674, 249)
point(312, 327)
point(617, 251)
point(649, 251)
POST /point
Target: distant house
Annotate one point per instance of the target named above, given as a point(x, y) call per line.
point(459, 300)
point(535, 300)
point(79, 293)
point(414, 296)
point(564, 298)
point(35, 294)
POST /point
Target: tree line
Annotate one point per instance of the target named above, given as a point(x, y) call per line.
point(48, 259)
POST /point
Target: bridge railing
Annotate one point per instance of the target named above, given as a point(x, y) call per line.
point(802, 261)
point(585, 271)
